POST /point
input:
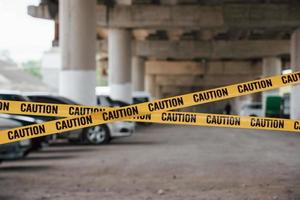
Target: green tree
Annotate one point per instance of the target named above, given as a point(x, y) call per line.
point(33, 67)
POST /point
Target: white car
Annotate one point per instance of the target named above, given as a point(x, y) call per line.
point(103, 98)
point(137, 96)
point(101, 134)
point(253, 109)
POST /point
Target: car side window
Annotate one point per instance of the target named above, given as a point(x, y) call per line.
point(46, 100)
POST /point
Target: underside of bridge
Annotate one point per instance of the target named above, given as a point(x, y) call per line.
point(171, 47)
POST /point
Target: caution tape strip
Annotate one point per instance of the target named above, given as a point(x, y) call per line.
point(171, 103)
point(182, 118)
point(218, 120)
point(100, 116)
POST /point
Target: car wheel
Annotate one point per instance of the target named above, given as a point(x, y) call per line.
point(97, 134)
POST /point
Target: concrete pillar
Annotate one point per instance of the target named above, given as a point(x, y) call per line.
point(119, 64)
point(271, 67)
point(150, 84)
point(295, 63)
point(138, 73)
point(78, 48)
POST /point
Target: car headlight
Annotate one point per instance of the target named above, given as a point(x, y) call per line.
point(39, 121)
point(24, 143)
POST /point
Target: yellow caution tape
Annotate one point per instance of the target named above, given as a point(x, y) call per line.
point(183, 118)
point(218, 120)
point(171, 103)
point(99, 116)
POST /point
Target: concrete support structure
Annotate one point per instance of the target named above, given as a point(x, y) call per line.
point(190, 16)
point(271, 67)
point(200, 16)
point(119, 64)
point(295, 63)
point(186, 50)
point(138, 73)
point(78, 47)
point(150, 85)
point(165, 78)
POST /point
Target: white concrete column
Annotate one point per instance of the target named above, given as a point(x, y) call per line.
point(78, 47)
point(119, 64)
point(295, 63)
point(271, 67)
point(150, 84)
point(138, 73)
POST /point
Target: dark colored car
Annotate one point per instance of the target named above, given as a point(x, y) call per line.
point(36, 143)
point(14, 150)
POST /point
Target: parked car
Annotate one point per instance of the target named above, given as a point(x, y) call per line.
point(253, 109)
point(36, 143)
point(104, 98)
point(137, 96)
point(101, 134)
point(14, 150)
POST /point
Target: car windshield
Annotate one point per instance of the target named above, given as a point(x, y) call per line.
point(140, 99)
point(51, 99)
point(13, 97)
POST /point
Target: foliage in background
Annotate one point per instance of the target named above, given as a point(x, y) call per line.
point(33, 67)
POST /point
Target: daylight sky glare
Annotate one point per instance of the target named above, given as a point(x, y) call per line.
point(25, 37)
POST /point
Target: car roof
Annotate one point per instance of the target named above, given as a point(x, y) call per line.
point(105, 91)
point(11, 92)
point(6, 122)
point(38, 94)
point(102, 90)
point(53, 96)
point(140, 94)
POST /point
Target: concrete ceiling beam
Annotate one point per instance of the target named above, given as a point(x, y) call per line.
point(244, 16)
point(243, 49)
point(239, 16)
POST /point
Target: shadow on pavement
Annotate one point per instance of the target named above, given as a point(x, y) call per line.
point(24, 168)
point(47, 157)
point(65, 150)
point(5, 197)
point(117, 143)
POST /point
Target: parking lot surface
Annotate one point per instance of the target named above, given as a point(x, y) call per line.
point(162, 162)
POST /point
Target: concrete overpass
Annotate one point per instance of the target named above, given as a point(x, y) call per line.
point(166, 46)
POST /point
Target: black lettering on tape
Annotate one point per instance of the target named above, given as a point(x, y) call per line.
point(255, 85)
point(267, 123)
point(178, 117)
point(223, 120)
point(209, 95)
point(4, 106)
point(290, 78)
point(74, 122)
point(26, 132)
point(297, 125)
point(39, 108)
point(83, 110)
point(143, 117)
point(165, 104)
point(120, 113)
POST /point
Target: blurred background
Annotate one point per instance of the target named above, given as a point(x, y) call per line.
point(121, 52)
